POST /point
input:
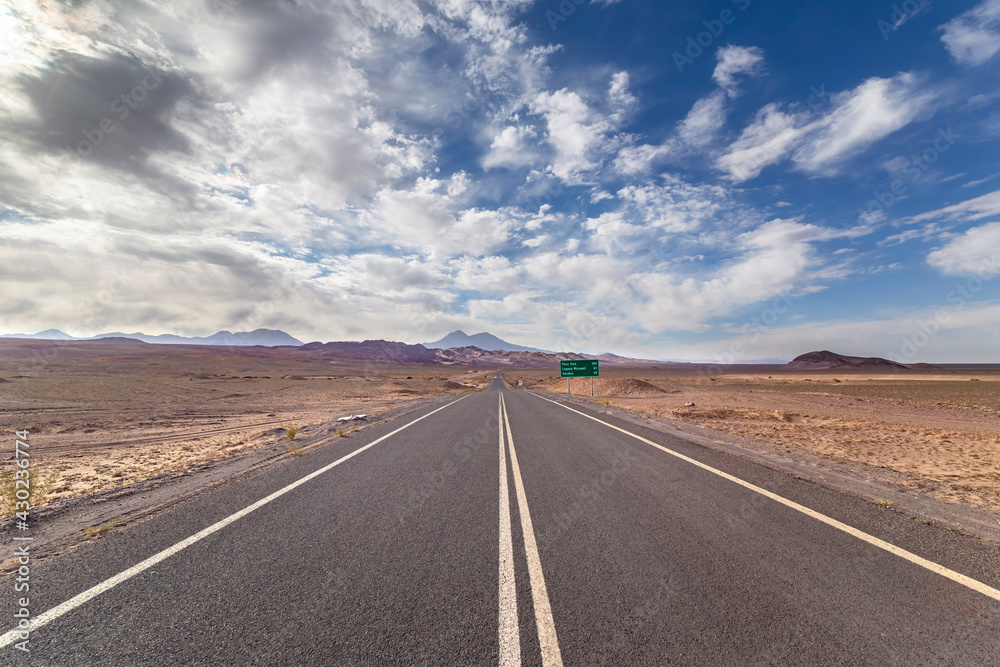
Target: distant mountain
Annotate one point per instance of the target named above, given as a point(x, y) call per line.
point(382, 351)
point(484, 341)
point(48, 334)
point(828, 360)
point(265, 337)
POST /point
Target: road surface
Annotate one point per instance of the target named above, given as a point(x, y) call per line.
point(508, 528)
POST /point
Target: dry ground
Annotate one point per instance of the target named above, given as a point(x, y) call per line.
point(105, 415)
point(940, 429)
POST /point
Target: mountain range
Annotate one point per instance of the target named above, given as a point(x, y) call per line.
point(265, 337)
point(389, 352)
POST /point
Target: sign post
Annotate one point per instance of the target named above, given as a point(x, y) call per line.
point(579, 368)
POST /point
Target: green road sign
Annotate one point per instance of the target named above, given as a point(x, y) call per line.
point(586, 368)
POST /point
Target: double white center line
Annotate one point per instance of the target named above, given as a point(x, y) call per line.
point(510, 639)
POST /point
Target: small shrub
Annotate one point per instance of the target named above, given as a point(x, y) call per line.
point(291, 431)
point(341, 432)
point(606, 402)
point(38, 489)
point(104, 527)
point(294, 449)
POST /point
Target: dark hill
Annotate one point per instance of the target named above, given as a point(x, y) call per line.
point(829, 360)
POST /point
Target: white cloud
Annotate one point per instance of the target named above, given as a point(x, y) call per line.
point(778, 257)
point(858, 118)
point(973, 38)
point(873, 110)
point(700, 128)
point(619, 96)
point(767, 140)
point(512, 148)
point(577, 133)
point(971, 209)
point(702, 124)
point(977, 251)
point(735, 60)
point(640, 159)
point(430, 220)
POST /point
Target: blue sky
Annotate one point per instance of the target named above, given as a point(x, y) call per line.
point(728, 180)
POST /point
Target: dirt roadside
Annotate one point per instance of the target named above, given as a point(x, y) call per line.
point(930, 450)
point(64, 523)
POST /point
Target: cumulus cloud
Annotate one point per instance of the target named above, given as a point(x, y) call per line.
point(977, 251)
point(513, 147)
point(973, 38)
point(577, 133)
point(820, 143)
point(195, 152)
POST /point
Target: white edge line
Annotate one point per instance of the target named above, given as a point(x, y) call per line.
point(91, 593)
point(957, 577)
point(509, 631)
point(547, 638)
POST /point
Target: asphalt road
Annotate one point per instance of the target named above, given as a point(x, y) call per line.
point(609, 550)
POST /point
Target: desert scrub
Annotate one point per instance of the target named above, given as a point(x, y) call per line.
point(291, 431)
point(38, 487)
point(99, 530)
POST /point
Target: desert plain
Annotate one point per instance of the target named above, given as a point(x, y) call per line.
point(110, 416)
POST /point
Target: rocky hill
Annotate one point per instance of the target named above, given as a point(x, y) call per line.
point(825, 359)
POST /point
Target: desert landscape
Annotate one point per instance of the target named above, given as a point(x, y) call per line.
point(939, 427)
point(109, 415)
point(115, 413)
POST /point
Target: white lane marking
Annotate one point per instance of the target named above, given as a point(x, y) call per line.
point(547, 638)
point(957, 577)
point(510, 634)
point(91, 593)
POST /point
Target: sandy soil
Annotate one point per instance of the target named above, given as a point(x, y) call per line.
point(108, 416)
point(942, 431)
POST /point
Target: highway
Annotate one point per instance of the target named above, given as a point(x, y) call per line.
point(508, 528)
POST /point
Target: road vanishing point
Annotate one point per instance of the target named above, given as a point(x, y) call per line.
point(507, 528)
